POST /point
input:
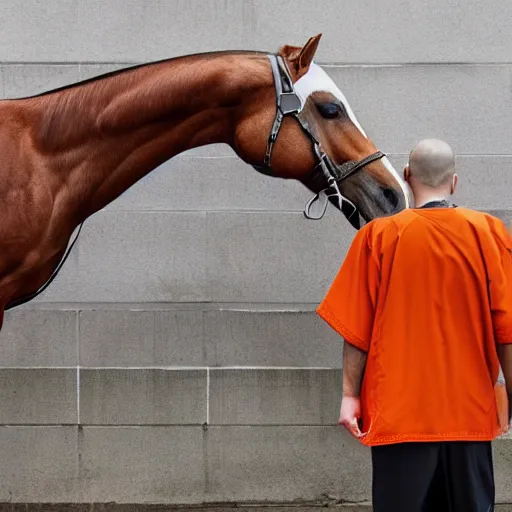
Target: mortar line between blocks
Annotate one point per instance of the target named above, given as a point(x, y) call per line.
point(170, 368)
point(208, 369)
point(207, 396)
point(77, 333)
point(78, 395)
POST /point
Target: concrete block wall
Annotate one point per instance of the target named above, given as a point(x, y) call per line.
point(177, 357)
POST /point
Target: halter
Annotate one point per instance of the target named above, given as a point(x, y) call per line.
point(288, 104)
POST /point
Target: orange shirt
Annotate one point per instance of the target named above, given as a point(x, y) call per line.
point(426, 293)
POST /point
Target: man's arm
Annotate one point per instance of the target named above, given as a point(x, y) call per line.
point(349, 308)
point(500, 295)
point(505, 357)
point(354, 362)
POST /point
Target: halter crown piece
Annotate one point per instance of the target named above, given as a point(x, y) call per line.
point(288, 103)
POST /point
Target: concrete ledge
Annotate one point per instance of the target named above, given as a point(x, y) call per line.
point(238, 335)
point(113, 507)
point(140, 397)
point(39, 338)
point(38, 396)
point(274, 397)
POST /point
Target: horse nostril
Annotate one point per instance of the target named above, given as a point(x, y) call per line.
point(391, 196)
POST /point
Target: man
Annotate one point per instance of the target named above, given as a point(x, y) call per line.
point(424, 304)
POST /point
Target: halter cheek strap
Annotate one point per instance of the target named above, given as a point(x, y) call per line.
point(287, 103)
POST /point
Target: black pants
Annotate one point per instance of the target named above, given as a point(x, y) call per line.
point(433, 477)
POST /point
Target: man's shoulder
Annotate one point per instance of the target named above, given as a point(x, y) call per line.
point(383, 230)
point(475, 215)
point(485, 220)
point(393, 223)
point(407, 216)
point(396, 224)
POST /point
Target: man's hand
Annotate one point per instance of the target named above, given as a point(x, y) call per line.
point(350, 412)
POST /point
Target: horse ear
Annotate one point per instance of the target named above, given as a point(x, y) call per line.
point(308, 53)
point(290, 53)
point(301, 58)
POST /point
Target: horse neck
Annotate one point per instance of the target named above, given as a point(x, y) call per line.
point(113, 131)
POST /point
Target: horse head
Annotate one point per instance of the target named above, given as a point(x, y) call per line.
point(302, 127)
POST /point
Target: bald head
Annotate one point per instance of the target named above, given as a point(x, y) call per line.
point(432, 163)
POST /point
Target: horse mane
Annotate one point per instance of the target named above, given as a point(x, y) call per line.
point(135, 67)
point(60, 105)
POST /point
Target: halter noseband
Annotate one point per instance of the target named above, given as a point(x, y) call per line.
point(288, 103)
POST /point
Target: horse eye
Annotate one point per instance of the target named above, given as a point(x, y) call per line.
point(329, 110)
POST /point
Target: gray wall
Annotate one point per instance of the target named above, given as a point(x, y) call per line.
point(177, 358)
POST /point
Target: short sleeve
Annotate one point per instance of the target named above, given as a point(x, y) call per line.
point(500, 284)
point(349, 306)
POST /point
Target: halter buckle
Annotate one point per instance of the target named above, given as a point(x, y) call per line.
point(289, 103)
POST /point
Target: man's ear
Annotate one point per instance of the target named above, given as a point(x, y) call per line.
point(300, 59)
point(455, 181)
point(407, 173)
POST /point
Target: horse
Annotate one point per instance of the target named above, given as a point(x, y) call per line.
point(68, 152)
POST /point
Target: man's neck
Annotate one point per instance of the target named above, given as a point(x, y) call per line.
point(423, 199)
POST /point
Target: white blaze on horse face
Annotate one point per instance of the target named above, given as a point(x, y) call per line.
point(317, 80)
